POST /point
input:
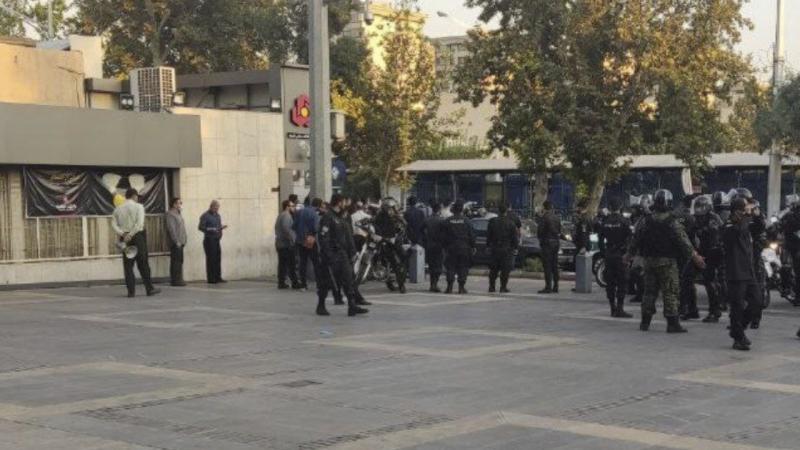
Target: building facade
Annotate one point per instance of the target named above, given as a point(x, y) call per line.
point(68, 152)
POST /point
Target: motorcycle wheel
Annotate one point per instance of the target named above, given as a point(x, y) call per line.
point(364, 266)
point(599, 269)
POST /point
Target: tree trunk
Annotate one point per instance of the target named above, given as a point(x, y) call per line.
point(596, 194)
point(541, 187)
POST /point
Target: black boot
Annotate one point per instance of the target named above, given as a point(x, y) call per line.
point(621, 313)
point(321, 309)
point(711, 318)
point(504, 287)
point(798, 333)
point(461, 289)
point(449, 289)
point(435, 286)
point(353, 309)
point(492, 287)
point(674, 325)
point(613, 308)
point(402, 289)
point(645, 324)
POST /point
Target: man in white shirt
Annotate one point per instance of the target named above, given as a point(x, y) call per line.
point(128, 222)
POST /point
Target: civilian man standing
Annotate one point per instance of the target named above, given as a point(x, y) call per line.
point(128, 222)
point(285, 239)
point(434, 253)
point(306, 222)
point(212, 228)
point(549, 234)
point(176, 229)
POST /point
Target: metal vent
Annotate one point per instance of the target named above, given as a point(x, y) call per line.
point(152, 88)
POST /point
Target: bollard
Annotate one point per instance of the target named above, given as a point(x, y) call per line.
point(416, 264)
point(583, 273)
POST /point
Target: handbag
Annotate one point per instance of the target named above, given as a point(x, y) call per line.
point(309, 242)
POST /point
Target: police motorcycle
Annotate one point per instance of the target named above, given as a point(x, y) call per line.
point(368, 264)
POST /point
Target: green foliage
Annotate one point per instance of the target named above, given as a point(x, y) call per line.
point(392, 110)
point(36, 11)
point(588, 82)
point(339, 13)
point(451, 150)
point(533, 265)
point(781, 122)
point(190, 35)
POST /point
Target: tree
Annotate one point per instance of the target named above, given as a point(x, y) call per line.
point(36, 12)
point(611, 78)
point(780, 123)
point(190, 35)
point(393, 112)
point(520, 68)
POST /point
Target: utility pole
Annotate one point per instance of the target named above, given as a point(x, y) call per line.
point(319, 60)
point(775, 153)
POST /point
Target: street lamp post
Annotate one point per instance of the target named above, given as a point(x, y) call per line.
point(775, 153)
point(321, 178)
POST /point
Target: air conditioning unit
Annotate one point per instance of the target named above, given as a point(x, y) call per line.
point(152, 88)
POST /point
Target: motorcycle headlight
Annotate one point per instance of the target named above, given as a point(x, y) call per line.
point(378, 238)
point(773, 245)
point(568, 237)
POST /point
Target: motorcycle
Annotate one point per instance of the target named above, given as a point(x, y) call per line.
point(778, 274)
point(368, 264)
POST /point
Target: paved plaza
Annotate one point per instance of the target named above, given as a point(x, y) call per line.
point(244, 366)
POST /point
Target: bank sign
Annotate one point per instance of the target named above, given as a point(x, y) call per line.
point(300, 115)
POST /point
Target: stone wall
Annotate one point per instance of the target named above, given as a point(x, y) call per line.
point(42, 77)
point(242, 153)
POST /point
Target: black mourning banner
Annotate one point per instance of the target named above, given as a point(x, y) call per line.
point(54, 192)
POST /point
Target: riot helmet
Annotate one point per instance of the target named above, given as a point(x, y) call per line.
point(702, 205)
point(741, 193)
point(646, 202)
point(388, 203)
point(719, 199)
point(662, 200)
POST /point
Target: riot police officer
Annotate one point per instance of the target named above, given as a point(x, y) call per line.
point(335, 253)
point(758, 234)
point(549, 234)
point(502, 239)
point(744, 292)
point(614, 237)
point(790, 226)
point(688, 292)
point(639, 211)
point(660, 240)
point(458, 241)
point(708, 226)
point(434, 253)
point(391, 227)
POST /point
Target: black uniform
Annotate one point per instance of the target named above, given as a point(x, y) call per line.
point(502, 239)
point(549, 234)
point(636, 272)
point(790, 226)
point(758, 232)
point(336, 255)
point(709, 238)
point(458, 241)
point(393, 227)
point(744, 295)
point(614, 237)
point(434, 253)
point(688, 270)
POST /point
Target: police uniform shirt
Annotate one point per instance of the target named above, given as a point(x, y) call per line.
point(738, 244)
point(502, 233)
point(615, 234)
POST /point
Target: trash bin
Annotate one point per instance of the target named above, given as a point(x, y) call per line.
point(583, 273)
point(416, 264)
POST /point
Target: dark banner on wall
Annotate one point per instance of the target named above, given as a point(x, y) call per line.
point(59, 191)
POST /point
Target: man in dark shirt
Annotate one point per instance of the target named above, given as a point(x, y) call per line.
point(391, 226)
point(688, 271)
point(614, 238)
point(549, 234)
point(415, 221)
point(336, 252)
point(583, 228)
point(708, 226)
point(306, 223)
point(790, 226)
point(458, 241)
point(212, 228)
point(434, 253)
point(739, 272)
point(502, 239)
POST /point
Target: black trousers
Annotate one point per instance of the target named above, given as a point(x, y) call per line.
point(616, 275)
point(688, 292)
point(712, 279)
point(287, 264)
point(457, 263)
point(744, 301)
point(501, 263)
point(213, 259)
point(398, 262)
point(139, 240)
point(306, 255)
point(337, 274)
point(434, 256)
point(550, 263)
point(176, 264)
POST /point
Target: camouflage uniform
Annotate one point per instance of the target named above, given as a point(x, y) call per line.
point(660, 240)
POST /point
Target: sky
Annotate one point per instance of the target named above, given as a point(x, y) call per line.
point(757, 42)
